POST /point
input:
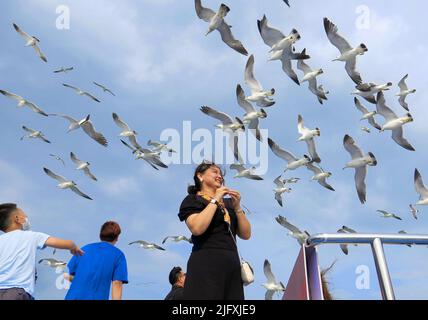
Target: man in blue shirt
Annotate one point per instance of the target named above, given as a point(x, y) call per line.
point(18, 247)
point(102, 265)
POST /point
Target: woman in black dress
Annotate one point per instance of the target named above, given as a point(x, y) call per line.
point(213, 269)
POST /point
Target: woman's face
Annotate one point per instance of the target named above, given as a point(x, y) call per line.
point(212, 177)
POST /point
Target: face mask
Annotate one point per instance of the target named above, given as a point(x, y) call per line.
point(26, 225)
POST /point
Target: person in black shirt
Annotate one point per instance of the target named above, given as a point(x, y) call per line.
point(177, 279)
point(213, 269)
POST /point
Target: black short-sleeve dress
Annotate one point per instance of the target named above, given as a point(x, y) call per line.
point(213, 269)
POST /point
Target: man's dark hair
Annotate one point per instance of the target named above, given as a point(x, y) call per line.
point(6, 210)
point(174, 274)
point(110, 231)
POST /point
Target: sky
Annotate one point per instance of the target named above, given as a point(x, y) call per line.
point(154, 56)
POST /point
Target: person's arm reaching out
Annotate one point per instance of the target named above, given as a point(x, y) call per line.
point(64, 244)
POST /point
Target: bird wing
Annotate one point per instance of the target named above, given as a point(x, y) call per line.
point(249, 77)
point(267, 270)
point(240, 96)
point(221, 116)
point(419, 185)
point(301, 65)
point(270, 35)
point(254, 128)
point(283, 222)
point(54, 176)
point(403, 103)
point(80, 193)
point(402, 84)
point(120, 123)
point(347, 229)
point(351, 147)
point(397, 136)
point(75, 159)
point(360, 106)
point(335, 38)
point(237, 167)
point(166, 238)
point(89, 174)
point(278, 182)
point(227, 37)
point(139, 242)
point(89, 129)
point(44, 139)
point(158, 247)
point(300, 125)
point(288, 69)
point(278, 198)
point(313, 168)
point(40, 53)
point(25, 35)
point(324, 183)
point(344, 248)
point(382, 109)
point(312, 150)
point(35, 108)
point(28, 129)
point(284, 154)
point(374, 124)
point(11, 95)
point(360, 175)
point(350, 67)
point(269, 294)
point(132, 148)
point(134, 143)
point(233, 144)
point(203, 13)
point(91, 96)
point(71, 87)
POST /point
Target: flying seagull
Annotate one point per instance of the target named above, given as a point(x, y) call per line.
point(271, 285)
point(258, 95)
point(308, 136)
point(386, 214)
point(177, 239)
point(359, 162)
point(414, 211)
point(66, 184)
point(292, 162)
point(64, 70)
point(105, 89)
point(404, 92)
point(23, 102)
point(311, 76)
point(347, 53)
point(33, 134)
point(282, 46)
point(58, 158)
point(31, 41)
point(320, 176)
point(365, 129)
point(243, 172)
point(404, 232)
point(53, 263)
point(251, 116)
point(149, 156)
point(84, 166)
point(157, 146)
point(295, 232)
point(228, 125)
point(421, 189)
point(216, 21)
point(287, 3)
point(147, 245)
point(280, 189)
point(80, 92)
point(367, 115)
point(369, 90)
point(393, 122)
point(87, 127)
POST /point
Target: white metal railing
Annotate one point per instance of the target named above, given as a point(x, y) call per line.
point(376, 241)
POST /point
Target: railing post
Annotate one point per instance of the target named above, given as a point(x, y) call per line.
point(382, 270)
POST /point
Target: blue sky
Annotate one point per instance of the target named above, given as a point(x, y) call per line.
point(153, 54)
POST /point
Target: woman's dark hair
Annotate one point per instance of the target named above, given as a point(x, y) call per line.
point(110, 231)
point(200, 169)
point(6, 210)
